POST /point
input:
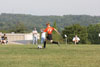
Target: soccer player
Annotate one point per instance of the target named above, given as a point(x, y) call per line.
point(43, 36)
point(49, 30)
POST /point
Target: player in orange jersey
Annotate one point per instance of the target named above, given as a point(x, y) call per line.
point(49, 31)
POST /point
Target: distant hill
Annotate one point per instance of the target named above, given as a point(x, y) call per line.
point(8, 21)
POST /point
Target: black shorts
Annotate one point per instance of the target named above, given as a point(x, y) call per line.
point(49, 37)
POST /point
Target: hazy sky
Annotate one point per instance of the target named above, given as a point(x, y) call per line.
point(51, 7)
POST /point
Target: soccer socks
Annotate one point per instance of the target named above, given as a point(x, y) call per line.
point(55, 42)
point(52, 42)
point(44, 44)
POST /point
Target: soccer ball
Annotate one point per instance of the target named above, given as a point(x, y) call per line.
point(39, 46)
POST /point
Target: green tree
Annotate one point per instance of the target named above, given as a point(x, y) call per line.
point(93, 32)
point(56, 36)
point(19, 28)
point(76, 29)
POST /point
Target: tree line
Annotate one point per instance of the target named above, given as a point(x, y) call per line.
point(85, 26)
point(8, 22)
point(87, 34)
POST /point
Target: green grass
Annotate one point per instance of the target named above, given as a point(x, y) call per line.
point(52, 56)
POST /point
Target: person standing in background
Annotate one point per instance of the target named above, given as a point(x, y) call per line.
point(35, 36)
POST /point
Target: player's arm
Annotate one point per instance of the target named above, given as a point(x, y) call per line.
point(56, 31)
point(45, 30)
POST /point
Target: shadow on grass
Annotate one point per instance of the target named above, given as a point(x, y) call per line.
point(36, 48)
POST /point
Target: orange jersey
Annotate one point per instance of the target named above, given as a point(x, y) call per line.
point(49, 30)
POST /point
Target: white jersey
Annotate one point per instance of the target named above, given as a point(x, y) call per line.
point(34, 33)
point(76, 38)
point(43, 35)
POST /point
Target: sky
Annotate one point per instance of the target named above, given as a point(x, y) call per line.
point(51, 7)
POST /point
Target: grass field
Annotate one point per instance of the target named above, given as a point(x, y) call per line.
point(52, 56)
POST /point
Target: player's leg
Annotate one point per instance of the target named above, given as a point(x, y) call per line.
point(44, 44)
point(36, 40)
point(51, 40)
point(54, 42)
point(45, 41)
point(33, 40)
point(5, 42)
point(42, 40)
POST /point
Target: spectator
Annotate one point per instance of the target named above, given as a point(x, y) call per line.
point(35, 36)
point(4, 39)
point(76, 39)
